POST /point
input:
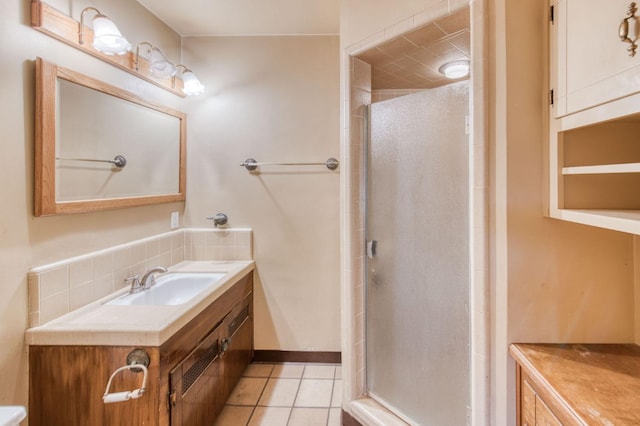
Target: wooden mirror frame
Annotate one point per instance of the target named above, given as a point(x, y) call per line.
point(45, 202)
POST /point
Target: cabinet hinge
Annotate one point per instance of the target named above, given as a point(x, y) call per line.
point(551, 97)
point(552, 13)
point(172, 399)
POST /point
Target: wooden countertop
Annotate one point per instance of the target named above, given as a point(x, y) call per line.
point(595, 384)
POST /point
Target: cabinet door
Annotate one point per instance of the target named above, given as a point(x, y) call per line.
point(592, 64)
point(196, 391)
point(238, 341)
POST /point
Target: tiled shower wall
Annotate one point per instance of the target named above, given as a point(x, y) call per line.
point(360, 100)
point(386, 94)
point(64, 286)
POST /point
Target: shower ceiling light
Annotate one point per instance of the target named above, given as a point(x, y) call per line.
point(455, 69)
point(106, 36)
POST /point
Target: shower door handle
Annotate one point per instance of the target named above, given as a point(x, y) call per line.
point(371, 248)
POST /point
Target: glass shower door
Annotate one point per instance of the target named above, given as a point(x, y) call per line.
point(418, 256)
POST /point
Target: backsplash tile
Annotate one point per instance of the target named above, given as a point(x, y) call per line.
point(122, 258)
point(61, 287)
point(80, 272)
point(80, 296)
point(54, 306)
point(102, 265)
point(54, 281)
point(103, 286)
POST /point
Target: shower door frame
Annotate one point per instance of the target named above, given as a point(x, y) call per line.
point(356, 401)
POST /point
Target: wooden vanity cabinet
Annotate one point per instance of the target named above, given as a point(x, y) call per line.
point(190, 375)
point(577, 384)
point(532, 409)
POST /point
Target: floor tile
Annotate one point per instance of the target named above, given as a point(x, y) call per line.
point(279, 393)
point(289, 394)
point(336, 397)
point(309, 417)
point(314, 393)
point(288, 371)
point(319, 372)
point(247, 391)
point(270, 416)
point(234, 416)
point(258, 370)
point(335, 417)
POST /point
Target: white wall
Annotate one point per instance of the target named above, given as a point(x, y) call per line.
point(273, 99)
point(25, 241)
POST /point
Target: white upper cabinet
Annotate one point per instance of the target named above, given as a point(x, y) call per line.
point(592, 63)
point(594, 122)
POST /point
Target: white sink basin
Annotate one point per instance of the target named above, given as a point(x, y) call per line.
point(12, 415)
point(174, 288)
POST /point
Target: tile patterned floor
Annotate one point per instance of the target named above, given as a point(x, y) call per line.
point(290, 394)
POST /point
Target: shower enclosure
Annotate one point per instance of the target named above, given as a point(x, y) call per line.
point(418, 255)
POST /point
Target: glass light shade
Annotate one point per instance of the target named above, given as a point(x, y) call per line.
point(191, 85)
point(455, 69)
point(159, 65)
point(107, 38)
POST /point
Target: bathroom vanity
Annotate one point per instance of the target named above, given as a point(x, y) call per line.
point(197, 350)
point(574, 384)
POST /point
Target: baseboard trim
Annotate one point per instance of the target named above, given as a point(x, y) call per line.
point(297, 356)
point(349, 420)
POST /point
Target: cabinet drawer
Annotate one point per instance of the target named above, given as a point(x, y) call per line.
point(528, 405)
point(533, 410)
point(544, 416)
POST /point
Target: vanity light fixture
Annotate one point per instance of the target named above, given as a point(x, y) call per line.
point(106, 36)
point(190, 83)
point(455, 69)
point(159, 65)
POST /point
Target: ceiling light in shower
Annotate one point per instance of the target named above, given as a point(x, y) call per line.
point(455, 69)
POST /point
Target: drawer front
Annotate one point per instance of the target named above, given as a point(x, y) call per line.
point(528, 405)
point(544, 416)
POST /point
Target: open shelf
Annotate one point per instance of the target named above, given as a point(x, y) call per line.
point(595, 170)
point(602, 169)
point(617, 220)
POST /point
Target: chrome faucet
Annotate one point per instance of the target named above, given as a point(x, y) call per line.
point(148, 280)
point(135, 284)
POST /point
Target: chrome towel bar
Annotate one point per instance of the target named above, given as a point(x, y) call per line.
point(118, 160)
point(251, 164)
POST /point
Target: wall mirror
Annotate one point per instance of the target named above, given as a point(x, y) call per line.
point(100, 147)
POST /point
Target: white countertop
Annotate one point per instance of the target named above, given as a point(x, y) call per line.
point(100, 324)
